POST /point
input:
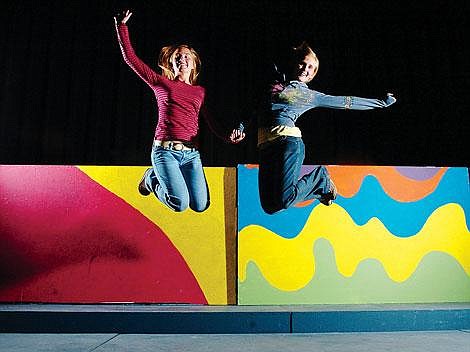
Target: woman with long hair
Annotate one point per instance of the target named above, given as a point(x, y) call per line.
point(176, 177)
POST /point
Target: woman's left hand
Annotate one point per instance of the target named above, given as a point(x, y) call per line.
point(236, 136)
point(390, 99)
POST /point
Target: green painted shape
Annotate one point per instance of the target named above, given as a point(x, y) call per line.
point(438, 278)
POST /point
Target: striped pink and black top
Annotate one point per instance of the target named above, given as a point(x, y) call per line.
point(178, 103)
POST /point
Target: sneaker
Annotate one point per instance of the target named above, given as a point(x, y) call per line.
point(142, 188)
point(328, 198)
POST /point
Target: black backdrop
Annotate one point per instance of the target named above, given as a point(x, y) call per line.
point(68, 98)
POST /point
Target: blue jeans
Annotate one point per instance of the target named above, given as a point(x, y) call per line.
point(177, 179)
point(280, 164)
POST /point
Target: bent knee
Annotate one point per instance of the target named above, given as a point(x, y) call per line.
point(272, 208)
point(179, 209)
point(178, 205)
point(199, 208)
point(273, 202)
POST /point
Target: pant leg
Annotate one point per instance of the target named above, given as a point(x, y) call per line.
point(313, 185)
point(168, 185)
point(279, 168)
point(196, 183)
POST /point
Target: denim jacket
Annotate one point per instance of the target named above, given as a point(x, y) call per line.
point(292, 99)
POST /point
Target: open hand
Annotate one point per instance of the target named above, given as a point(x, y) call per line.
point(123, 17)
point(236, 136)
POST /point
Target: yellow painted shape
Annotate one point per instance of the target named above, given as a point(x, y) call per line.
point(289, 264)
point(199, 237)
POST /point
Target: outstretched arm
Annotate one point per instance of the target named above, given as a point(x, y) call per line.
point(139, 67)
point(352, 102)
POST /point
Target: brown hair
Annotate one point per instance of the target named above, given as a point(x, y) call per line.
point(167, 55)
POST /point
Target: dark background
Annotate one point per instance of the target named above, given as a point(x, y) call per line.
point(67, 97)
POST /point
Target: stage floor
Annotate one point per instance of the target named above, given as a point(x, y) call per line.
point(435, 341)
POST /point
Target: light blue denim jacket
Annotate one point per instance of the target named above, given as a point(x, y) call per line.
point(292, 99)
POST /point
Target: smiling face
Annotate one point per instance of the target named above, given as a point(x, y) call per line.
point(179, 62)
point(306, 68)
point(182, 61)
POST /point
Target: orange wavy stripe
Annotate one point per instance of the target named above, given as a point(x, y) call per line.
point(348, 180)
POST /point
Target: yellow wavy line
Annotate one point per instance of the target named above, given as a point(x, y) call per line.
point(289, 264)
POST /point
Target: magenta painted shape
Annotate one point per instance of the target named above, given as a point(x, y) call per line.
point(66, 238)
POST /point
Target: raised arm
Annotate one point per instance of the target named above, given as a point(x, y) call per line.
point(134, 62)
point(351, 102)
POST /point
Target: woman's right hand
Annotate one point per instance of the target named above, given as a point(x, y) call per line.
point(123, 17)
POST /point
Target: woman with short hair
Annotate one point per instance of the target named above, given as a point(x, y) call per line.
point(280, 145)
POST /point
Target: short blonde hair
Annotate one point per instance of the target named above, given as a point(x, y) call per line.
point(167, 55)
point(300, 52)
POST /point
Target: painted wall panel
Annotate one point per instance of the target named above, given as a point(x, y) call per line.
point(84, 234)
point(395, 234)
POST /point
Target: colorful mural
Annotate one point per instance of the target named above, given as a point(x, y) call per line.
point(395, 234)
point(84, 234)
